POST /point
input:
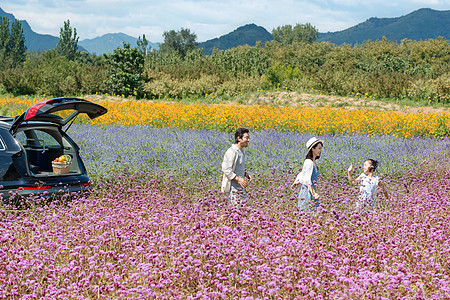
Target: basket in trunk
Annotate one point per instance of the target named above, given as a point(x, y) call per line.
point(61, 167)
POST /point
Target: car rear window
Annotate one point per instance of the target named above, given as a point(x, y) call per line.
point(46, 139)
point(37, 138)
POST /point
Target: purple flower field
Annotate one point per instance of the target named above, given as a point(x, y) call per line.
point(146, 148)
point(157, 226)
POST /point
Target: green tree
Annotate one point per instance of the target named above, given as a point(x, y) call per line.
point(181, 41)
point(283, 34)
point(299, 33)
point(4, 39)
point(17, 44)
point(68, 42)
point(126, 71)
point(143, 45)
point(12, 43)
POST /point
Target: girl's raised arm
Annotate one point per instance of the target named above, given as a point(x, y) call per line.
point(351, 180)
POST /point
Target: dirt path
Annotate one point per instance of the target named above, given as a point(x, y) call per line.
point(357, 102)
point(307, 100)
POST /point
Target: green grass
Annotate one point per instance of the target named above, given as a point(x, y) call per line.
point(271, 96)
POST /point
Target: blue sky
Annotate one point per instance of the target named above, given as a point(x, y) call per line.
point(206, 18)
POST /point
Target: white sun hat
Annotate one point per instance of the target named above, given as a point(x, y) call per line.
point(312, 142)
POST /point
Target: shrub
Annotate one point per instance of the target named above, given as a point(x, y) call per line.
point(242, 61)
point(16, 81)
point(158, 86)
point(126, 71)
point(236, 86)
point(278, 73)
point(432, 90)
point(93, 79)
point(440, 89)
point(418, 70)
point(206, 84)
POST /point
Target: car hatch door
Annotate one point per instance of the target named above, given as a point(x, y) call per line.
point(44, 111)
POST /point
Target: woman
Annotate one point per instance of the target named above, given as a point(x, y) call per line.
point(308, 176)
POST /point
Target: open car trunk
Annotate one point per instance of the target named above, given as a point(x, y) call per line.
point(42, 144)
point(39, 132)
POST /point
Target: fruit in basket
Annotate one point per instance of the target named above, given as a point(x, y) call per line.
point(63, 158)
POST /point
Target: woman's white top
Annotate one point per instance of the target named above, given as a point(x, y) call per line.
point(304, 177)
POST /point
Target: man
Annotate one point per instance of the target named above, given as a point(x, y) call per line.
point(234, 180)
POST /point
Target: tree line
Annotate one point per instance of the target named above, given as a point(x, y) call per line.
point(294, 60)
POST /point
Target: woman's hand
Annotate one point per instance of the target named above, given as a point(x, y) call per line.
point(316, 196)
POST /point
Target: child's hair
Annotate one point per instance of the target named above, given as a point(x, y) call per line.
point(374, 164)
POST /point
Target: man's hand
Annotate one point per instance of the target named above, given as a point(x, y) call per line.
point(241, 181)
point(248, 177)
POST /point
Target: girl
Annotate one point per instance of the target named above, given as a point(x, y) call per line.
point(368, 185)
point(309, 174)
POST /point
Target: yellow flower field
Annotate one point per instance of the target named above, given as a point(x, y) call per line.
point(228, 117)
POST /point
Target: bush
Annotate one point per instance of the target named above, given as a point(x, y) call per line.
point(16, 81)
point(126, 71)
point(440, 89)
point(278, 73)
point(241, 62)
point(158, 86)
point(431, 90)
point(237, 86)
point(93, 79)
point(54, 75)
point(411, 69)
point(163, 85)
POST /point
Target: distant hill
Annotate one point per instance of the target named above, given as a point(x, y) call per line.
point(248, 34)
point(110, 41)
point(104, 44)
point(421, 24)
point(34, 41)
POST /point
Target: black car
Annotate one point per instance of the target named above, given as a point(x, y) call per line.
point(31, 141)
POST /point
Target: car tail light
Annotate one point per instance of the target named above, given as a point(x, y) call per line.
point(27, 188)
point(85, 184)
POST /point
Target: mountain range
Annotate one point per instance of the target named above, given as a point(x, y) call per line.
point(248, 34)
point(421, 24)
point(34, 41)
point(108, 42)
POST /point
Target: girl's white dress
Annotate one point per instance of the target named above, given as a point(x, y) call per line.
point(367, 188)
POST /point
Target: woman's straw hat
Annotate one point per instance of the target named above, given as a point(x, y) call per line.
point(312, 142)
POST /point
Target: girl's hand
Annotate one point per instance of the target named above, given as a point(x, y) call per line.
point(316, 196)
point(350, 169)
